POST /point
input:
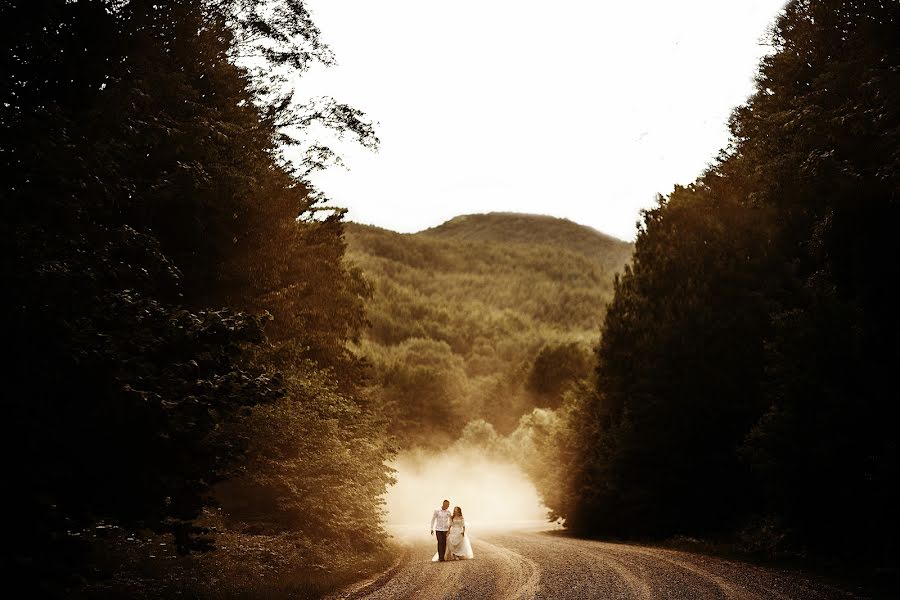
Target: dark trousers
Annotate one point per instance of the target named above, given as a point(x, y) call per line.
point(442, 543)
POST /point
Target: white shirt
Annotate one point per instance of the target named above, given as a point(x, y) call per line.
point(440, 520)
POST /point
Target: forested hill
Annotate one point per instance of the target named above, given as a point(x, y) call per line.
point(460, 314)
point(508, 228)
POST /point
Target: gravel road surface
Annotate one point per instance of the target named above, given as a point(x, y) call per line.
point(532, 565)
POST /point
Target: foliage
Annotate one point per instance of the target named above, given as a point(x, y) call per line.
point(544, 445)
point(145, 190)
point(325, 484)
point(556, 369)
point(245, 566)
point(459, 313)
point(745, 369)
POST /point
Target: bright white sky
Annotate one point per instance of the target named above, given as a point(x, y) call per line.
point(574, 108)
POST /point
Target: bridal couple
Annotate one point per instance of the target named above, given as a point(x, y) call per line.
point(452, 543)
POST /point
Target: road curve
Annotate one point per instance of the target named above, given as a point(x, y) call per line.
point(535, 565)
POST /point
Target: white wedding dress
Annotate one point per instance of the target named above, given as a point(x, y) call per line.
point(458, 546)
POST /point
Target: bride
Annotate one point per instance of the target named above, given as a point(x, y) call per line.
point(458, 546)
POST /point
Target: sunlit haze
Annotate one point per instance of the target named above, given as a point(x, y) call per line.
point(490, 493)
point(582, 110)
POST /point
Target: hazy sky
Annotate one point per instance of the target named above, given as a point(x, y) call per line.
point(574, 108)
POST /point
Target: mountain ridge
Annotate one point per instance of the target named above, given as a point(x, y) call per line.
point(508, 216)
point(521, 228)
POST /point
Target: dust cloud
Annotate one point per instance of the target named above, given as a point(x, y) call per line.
point(493, 494)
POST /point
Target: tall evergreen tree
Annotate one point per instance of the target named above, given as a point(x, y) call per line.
point(746, 364)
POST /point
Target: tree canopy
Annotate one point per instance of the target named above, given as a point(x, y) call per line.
point(484, 317)
point(744, 375)
point(175, 292)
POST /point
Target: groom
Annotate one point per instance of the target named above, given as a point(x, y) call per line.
point(440, 523)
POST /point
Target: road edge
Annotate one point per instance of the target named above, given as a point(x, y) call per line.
point(363, 588)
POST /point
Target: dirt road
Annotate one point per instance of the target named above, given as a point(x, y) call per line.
point(532, 565)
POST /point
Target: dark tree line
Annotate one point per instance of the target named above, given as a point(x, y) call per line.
point(747, 374)
point(164, 268)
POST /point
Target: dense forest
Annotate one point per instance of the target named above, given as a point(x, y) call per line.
point(482, 318)
point(746, 375)
point(176, 306)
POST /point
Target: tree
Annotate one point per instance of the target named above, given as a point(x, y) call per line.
point(824, 446)
point(679, 364)
point(145, 190)
point(557, 368)
point(755, 327)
